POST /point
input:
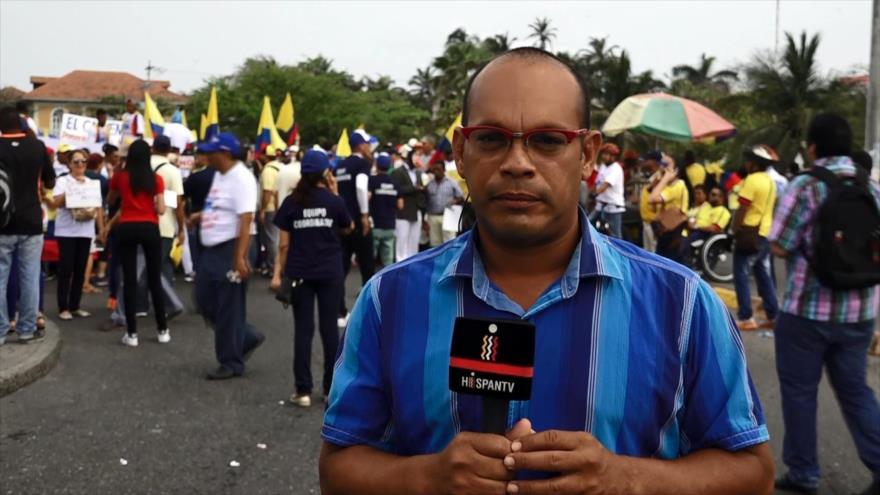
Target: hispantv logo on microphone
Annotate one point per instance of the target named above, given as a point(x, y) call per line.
point(492, 358)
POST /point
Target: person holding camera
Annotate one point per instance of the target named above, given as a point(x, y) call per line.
point(310, 221)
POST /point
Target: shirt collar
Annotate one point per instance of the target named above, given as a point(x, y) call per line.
point(834, 161)
point(593, 257)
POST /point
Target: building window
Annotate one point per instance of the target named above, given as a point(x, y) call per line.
point(57, 115)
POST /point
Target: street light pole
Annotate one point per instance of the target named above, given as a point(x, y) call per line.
point(872, 121)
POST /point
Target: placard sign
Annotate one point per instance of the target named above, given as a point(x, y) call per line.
point(81, 131)
point(86, 194)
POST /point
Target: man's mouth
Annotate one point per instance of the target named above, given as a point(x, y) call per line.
point(517, 199)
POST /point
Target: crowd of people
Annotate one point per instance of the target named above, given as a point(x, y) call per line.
point(304, 217)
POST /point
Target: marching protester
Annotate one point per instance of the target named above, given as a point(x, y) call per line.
point(268, 205)
point(442, 192)
point(311, 220)
point(132, 121)
point(670, 196)
point(610, 205)
point(74, 231)
point(648, 210)
point(289, 175)
point(384, 205)
point(751, 225)
point(822, 324)
point(26, 165)
point(352, 176)
point(173, 220)
point(93, 167)
point(392, 425)
point(195, 191)
point(225, 231)
point(408, 225)
point(137, 226)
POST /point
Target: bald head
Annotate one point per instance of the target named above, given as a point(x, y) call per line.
point(531, 57)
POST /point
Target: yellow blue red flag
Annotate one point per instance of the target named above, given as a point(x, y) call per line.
point(213, 127)
point(153, 118)
point(267, 134)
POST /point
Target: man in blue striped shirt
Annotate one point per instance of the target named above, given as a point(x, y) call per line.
point(640, 381)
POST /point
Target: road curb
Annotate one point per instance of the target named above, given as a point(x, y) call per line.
point(16, 373)
point(728, 297)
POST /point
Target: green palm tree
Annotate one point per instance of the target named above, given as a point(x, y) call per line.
point(702, 75)
point(499, 43)
point(542, 32)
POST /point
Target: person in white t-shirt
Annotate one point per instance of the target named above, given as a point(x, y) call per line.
point(289, 175)
point(610, 205)
point(225, 236)
point(173, 221)
point(132, 122)
point(74, 230)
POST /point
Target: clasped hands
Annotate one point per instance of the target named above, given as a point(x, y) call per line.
point(480, 463)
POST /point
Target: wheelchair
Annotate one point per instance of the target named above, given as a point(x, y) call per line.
point(712, 257)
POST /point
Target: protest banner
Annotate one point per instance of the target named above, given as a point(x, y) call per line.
point(82, 132)
point(86, 194)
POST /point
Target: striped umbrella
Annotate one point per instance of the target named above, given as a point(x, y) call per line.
point(667, 117)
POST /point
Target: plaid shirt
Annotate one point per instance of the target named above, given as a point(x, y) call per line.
point(793, 231)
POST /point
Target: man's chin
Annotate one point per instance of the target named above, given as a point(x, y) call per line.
point(518, 230)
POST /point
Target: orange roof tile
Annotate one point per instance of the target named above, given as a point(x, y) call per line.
point(87, 85)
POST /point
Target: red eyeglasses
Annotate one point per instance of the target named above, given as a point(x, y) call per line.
point(547, 141)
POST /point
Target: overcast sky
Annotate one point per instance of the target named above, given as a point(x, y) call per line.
point(192, 40)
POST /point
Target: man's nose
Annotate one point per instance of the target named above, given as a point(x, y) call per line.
point(517, 162)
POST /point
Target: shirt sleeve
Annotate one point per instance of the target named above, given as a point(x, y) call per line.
point(721, 218)
point(721, 408)
point(269, 179)
point(177, 182)
point(358, 412)
point(360, 184)
point(747, 193)
point(793, 212)
point(456, 191)
point(246, 202)
point(60, 187)
point(160, 184)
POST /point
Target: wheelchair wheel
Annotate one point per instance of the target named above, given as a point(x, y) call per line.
point(716, 258)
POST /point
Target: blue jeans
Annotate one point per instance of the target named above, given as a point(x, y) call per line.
point(758, 264)
point(224, 306)
point(803, 347)
point(27, 249)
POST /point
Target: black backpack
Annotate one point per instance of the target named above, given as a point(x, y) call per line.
point(7, 205)
point(846, 238)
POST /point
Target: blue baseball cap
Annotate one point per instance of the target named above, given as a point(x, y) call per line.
point(653, 155)
point(358, 138)
point(224, 141)
point(314, 161)
point(383, 161)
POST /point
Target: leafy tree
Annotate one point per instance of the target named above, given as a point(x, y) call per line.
point(702, 75)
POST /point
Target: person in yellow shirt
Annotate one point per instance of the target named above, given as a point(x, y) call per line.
point(707, 218)
point(753, 219)
point(696, 172)
point(647, 210)
point(271, 158)
point(671, 193)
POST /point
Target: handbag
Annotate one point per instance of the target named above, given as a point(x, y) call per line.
point(746, 240)
point(288, 292)
point(669, 220)
point(84, 214)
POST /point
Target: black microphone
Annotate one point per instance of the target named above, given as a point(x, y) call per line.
point(495, 360)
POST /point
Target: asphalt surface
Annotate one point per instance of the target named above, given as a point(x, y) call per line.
point(69, 432)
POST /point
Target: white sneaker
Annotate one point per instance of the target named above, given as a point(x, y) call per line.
point(301, 400)
point(164, 336)
point(130, 340)
point(342, 321)
point(65, 315)
point(141, 314)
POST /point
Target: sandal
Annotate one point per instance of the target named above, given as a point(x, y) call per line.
point(90, 289)
point(41, 322)
point(874, 349)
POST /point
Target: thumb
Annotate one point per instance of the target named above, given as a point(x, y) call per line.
point(522, 428)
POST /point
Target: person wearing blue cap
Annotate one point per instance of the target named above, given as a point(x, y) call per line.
point(225, 231)
point(384, 203)
point(310, 221)
point(353, 177)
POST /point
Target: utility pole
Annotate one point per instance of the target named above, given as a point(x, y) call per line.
point(872, 121)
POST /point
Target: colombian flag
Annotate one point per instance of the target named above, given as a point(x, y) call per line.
point(446, 143)
point(213, 127)
point(266, 132)
point(154, 121)
point(203, 126)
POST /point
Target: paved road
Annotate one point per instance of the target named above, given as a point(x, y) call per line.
point(67, 432)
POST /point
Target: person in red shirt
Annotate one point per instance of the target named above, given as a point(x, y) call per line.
point(142, 194)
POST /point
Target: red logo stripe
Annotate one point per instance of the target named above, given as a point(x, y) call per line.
point(497, 368)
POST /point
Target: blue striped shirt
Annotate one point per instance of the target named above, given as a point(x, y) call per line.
point(630, 347)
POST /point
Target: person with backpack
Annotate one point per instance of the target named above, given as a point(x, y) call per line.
point(827, 227)
point(24, 164)
point(750, 226)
